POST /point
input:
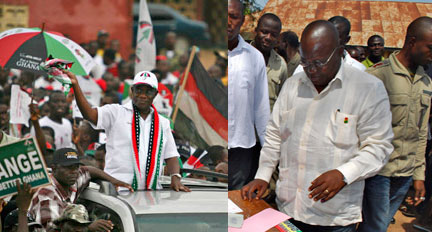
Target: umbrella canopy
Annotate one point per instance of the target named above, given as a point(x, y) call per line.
point(27, 48)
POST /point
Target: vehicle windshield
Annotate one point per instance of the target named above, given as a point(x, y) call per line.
point(205, 222)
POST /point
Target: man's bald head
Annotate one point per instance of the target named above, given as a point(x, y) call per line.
point(343, 26)
point(418, 42)
point(419, 27)
point(319, 52)
point(319, 32)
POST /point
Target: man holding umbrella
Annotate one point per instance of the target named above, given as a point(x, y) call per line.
point(138, 138)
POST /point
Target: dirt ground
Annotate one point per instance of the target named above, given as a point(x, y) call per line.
point(403, 224)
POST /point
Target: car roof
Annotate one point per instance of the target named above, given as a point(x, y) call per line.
point(169, 201)
point(205, 197)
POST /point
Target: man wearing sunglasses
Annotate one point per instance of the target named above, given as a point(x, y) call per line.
point(139, 140)
point(330, 129)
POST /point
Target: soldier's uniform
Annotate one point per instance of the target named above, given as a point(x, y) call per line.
point(410, 99)
point(293, 64)
point(277, 73)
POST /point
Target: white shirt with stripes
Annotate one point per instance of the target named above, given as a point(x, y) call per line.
point(345, 127)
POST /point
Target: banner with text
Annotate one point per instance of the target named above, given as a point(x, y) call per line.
point(21, 160)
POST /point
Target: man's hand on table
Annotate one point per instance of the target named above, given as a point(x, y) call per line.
point(256, 185)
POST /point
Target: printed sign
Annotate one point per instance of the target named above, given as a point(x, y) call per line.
point(21, 160)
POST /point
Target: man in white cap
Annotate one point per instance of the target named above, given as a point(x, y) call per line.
point(138, 138)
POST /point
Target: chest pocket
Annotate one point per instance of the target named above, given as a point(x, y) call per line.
point(399, 108)
point(425, 101)
point(342, 130)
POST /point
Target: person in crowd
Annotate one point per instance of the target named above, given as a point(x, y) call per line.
point(343, 26)
point(215, 72)
point(18, 220)
point(74, 218)
point(354, 52)
point(409, 89)
point(110, 97)
point(167, 78)
point(102, 38)
point(92, 48)
point(248, 101)
point(267, 35)
point(170, 52)
point(56, 120)
point(183, 61)
point(100, 156)
point(85, 139)
point(125, 70)
point(68, 181)
point(4, 117)
point(217, 154)
point(375, 50)
point(362, 55)
point(115, 45)
point(222, 62)
point(288, 48)
point(330, 129)
point(135, 132)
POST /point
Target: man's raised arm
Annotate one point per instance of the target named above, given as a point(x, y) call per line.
point(87, 111)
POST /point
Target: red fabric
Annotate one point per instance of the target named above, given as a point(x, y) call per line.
point(9, 44)
point(135, 148)
point(213, 117)
point(113, 70)
point(102, 83)
point(161, 57)
point(154, 148)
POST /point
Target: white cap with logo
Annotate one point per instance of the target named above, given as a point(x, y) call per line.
point(147, 78)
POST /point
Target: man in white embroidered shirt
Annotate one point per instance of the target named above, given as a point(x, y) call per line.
point(138, 138)
point(330, 129)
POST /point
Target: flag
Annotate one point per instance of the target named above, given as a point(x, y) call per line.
point(146, 45)
point(196, 160)
point(19, 106)
point(203, 110)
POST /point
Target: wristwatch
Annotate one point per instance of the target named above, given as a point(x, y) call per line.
point(176, 174)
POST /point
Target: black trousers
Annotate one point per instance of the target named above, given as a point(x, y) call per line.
point(242, 165)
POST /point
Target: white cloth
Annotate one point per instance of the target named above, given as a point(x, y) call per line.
point(347, 60)
point(63, 131)
point(19, 106)
point(116, 120)
point(42, 83)
point(170, 79)
point(92, 92)
point(248, 100)
point(345, 127)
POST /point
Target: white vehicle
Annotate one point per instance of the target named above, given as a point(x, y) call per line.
point(204, 209)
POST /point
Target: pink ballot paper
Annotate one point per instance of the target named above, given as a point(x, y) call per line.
point(261, 221)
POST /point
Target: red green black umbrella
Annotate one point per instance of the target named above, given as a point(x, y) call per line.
point(26, 48)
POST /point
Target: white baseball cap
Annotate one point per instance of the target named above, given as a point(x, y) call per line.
point(147, 78)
